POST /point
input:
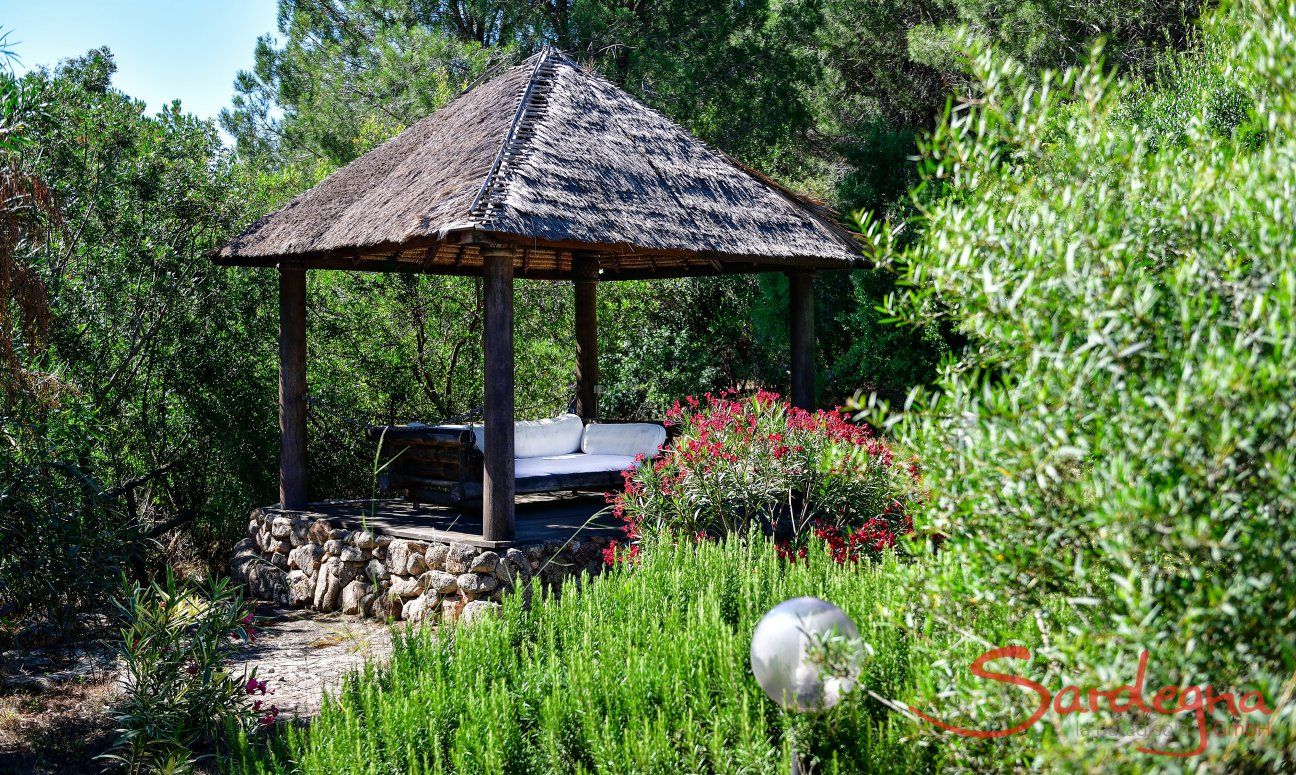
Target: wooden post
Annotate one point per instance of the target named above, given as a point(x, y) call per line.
point(801, 296)
point(497, 415)
point(292, 387)
point(585, 272)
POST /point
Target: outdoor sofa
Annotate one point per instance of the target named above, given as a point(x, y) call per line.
point(442, 464)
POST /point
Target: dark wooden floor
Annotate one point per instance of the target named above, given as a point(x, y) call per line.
point(539, 518)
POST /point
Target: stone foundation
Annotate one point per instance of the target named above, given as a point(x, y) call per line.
point(293, 558)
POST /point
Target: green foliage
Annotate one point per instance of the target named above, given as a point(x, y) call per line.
point(758, 465)
point(1120, 432)
point(644, 671)
point(180, 697)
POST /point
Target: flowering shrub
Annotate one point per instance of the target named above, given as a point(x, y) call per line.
point(760, 464)
point(179, 695)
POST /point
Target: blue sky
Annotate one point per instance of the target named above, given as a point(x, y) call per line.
point(165, 49)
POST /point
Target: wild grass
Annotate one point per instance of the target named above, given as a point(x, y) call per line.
point(645, 670)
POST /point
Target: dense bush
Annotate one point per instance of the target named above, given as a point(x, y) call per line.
point(759, 465)
point(645, 671)
point(181, 698)
point(1121, 255)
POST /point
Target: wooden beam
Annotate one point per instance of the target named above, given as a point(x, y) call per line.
point(497, 335)
point(801, 296)
point(292, 387)
point(585, 272)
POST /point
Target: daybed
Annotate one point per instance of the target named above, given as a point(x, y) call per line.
point(443, 463)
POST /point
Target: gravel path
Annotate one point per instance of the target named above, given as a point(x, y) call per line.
point(303, 654)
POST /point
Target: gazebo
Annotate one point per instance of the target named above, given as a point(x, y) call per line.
point(543, 172)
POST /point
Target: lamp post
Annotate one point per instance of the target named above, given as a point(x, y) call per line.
point(791, 650)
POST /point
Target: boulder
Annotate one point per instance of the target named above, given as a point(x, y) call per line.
point(301, 591)
point(476, 584)
point(406, 586)
point(459, 558)
point(478, 609)
point(306, 558)
point(333, 576)
point(415, 566)
point(435, 556)
point(387, 606)
point(254, 529)
point(399, 551)
point(351, 554)
point(367, 603)
point(421, 608)
point(486, 562)
point(263, 580)
point(279, 560)
point(375, 571)
point(352, 594)
point(318, 533)
point(521, 566)
point(442, 582)
point(363, 540)
point(281, 527)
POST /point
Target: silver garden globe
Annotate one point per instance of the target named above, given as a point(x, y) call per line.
point(780, 658)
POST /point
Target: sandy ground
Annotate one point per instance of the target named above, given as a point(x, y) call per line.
point(54, 702)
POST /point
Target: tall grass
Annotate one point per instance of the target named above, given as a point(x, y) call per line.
point(644, 671)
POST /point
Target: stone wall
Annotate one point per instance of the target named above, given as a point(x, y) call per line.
point(292, 558)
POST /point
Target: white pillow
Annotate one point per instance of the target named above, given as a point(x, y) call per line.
point(559, 435)
point(631, 438)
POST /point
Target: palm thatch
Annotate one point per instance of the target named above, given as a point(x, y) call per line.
point(557, 163)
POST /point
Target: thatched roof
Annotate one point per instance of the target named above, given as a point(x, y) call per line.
point(555, 161)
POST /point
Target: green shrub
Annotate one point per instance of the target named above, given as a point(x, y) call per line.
point(760, 465)
point(1121, 431)
point(644, 671)
point(181, 698)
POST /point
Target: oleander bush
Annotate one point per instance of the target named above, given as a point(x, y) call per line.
point(1120, 432)
point(645, 670)
point(181, 699)
point(759, 465)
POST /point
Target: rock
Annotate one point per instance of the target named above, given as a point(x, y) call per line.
point(376, 571)
point(534, 551)
point(450, 608)
point(245, 546)
point(263, 580)
point(502, 575)
point(475, 584)
point(363, 540)
point(333, 576)
point(333, 547)
point(339, 534)
point(383, 541)
point(459, 558)
point(416, 566)
point(254, 529)
point(281, 546)
point(281, 527)
point(406, 586)
point(279, 560)
point(486, 562)
point(435, 556)
point(301, 591)
point(306, 557)
point(352, 594)
point(351, 554)
point(442, 582)
point(422, 608)
point(387, 607)
point(521, 565)
point(399, 551)
point(478, 609)
point(318, 533)
point(265, 541)
point(300, 531)
point(366, 604)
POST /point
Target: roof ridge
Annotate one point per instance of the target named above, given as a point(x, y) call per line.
point(519, 132)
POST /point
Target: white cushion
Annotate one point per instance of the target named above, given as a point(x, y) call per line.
point(575, 463)
point(540, 438)
point(631, 438)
